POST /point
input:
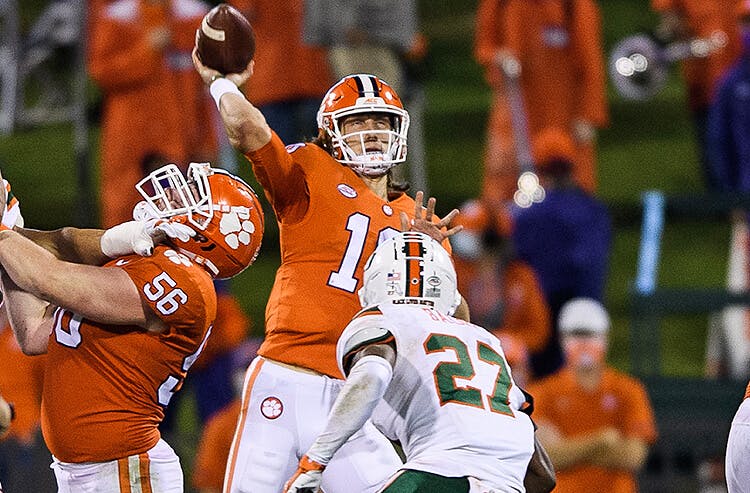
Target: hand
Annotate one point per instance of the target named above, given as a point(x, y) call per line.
point(140, 236)
point(208, 74)
point(584, 131)
point(609, 439)
point(425, 225)
point(307, 478)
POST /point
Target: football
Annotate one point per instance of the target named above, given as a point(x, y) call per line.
point(225, 40)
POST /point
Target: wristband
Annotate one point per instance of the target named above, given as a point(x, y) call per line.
point(222, 86)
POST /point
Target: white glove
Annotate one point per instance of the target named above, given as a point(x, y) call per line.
point(139, 237)
point(307, 478)
point(12, 210)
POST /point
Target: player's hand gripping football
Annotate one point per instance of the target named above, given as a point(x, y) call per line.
point(307, 478)
point(422, 221)
point(208, 74)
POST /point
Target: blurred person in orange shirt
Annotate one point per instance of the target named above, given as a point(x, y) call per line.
point(502, 292)
point(24, 458)
point(139, 56)
point(291, 76)
point(595, 422)
point(686, 19)
point(216, 439)
point(558, 44)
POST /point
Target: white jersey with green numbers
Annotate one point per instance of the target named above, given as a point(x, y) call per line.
point(452, 402)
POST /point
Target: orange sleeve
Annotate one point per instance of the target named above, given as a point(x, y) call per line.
point(592, 98)
point(213, 449)
point(119, 54)
point(639, 420)
point(488, 30)
point(184, 298)
point(283, 180)
point(528, 316)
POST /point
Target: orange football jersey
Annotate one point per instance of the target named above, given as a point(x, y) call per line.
point(330, 222)
point(106, 386)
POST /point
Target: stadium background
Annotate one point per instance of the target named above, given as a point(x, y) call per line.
point(647, 146)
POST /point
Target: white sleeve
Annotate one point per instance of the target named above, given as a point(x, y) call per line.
point(364, 387)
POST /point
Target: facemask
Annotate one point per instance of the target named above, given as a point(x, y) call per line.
point(585, 353)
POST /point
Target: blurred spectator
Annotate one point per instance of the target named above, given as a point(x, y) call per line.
point(363, 36)
point(562, 78)
point(728, 149)
point(687, 19)
point(216, 440)
point(566, 238)
point(728, 131)
point(502, 292)
point(290, 76)
point(595, 422)
point(212, 375)
point(24, 458)
point(139, 56)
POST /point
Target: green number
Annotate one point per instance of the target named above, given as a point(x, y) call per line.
point(446, 373)
point(499, 400)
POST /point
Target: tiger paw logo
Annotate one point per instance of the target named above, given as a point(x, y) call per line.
point(271, 407)
point(237, 227)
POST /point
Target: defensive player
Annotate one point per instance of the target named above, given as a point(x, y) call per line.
point(334, 203)
point(738, 448)
point(120, 338)
point(437, 384)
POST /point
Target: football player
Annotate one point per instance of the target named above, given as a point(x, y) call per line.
point(738, 448)
point(334, 201)
point(120, 338)
point(437, 384)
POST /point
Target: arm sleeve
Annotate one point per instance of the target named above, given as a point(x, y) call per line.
point(639, 421)
point(283, 180)
point(365, 386)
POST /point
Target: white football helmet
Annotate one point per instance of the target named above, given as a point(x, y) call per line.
point(411, 268)
point(358, 94)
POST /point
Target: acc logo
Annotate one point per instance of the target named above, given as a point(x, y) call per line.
point(346, 191)
point(271, 407)
point(237, 227)
point(293, 147)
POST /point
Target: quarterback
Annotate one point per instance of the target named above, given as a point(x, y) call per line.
point(334, 201)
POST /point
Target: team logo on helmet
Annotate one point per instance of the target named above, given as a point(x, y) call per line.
point(237, 227)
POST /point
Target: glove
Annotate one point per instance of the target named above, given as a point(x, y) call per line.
point(12, 210)
point(140, 236)
point(307, 478)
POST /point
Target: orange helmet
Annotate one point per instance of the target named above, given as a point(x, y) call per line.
point(357, 94)
point(223, 210)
